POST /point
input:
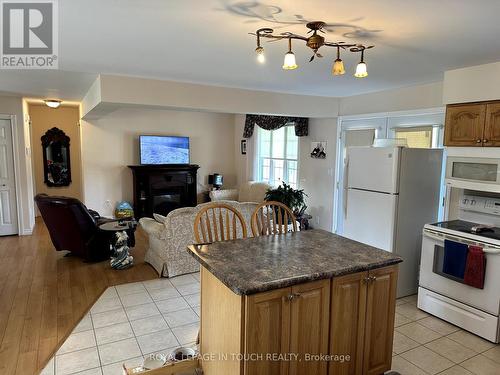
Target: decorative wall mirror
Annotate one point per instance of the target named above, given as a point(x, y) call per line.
point(56, 163)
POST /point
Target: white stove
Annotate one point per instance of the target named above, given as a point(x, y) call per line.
point(449, 298)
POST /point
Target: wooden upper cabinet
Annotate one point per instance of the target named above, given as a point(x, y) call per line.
point(379, 325)
point(492, 126)
point(310, 320)
point(348, 322)
point(267, 330)
point(465, 125)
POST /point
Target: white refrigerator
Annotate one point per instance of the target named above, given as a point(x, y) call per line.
point(391, 192)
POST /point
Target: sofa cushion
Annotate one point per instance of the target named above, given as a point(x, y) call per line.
point(253, 191)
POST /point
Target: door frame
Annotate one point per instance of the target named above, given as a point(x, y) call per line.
point(383, 123)
point(17, 166)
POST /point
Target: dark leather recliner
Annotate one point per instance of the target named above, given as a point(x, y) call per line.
point(75, 228)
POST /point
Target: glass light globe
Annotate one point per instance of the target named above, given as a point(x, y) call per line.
point(338, 68)
point(260, 55)
point(361, 70)
point(289, 63)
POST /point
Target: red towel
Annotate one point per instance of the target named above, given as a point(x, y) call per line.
point(475, 267)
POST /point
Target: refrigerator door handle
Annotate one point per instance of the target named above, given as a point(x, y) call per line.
point(346, 184)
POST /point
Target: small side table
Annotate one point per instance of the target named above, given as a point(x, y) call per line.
point(119, 242)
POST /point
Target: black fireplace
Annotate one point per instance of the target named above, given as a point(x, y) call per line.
point(163, 188)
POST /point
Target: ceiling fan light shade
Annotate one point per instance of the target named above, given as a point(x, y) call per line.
point(260, 55)
point(338, 67)
point(361, 70)
point(290, 63)
point(52, 103)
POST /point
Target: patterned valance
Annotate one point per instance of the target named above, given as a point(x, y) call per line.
point(275, 122)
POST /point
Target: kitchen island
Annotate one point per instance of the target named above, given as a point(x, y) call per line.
point(302, 303)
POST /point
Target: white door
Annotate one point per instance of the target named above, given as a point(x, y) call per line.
point(370, 218)
point(8, 206)
point(373, 168)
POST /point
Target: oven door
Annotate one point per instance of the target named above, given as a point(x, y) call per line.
point(432, 277)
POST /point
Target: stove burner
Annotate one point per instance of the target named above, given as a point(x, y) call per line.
point(472, 228)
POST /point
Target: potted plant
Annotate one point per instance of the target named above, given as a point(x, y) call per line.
point(293, 198)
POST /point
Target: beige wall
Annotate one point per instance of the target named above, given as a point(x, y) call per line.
point(65, 118)
point(317, 176)
point(403, 99)
point(110, 92)
point(110, 143)
point(475, 83)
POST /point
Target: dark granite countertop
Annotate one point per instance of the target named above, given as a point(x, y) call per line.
point(253, 265)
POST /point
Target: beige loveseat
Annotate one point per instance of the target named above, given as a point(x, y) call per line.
point(250, 191)
point(170, 236)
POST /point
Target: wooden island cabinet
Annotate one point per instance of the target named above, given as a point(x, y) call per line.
point(473, 124)
point(340, 326)
point(268, 309)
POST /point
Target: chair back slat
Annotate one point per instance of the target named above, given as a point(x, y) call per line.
point(209, 229)
point(271, 218)
point(213, 223)
point(216, 230)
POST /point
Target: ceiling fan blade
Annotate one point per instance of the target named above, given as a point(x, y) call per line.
point(312, 58)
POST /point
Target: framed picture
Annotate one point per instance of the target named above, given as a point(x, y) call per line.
point(243, 147)
point(318, 149)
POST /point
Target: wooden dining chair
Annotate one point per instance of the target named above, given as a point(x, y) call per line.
point(218, 222)
point(272, 218)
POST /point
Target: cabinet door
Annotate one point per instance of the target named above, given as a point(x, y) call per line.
point(348, 323)
point(464, 125)
point(379, 329)
point(492, 127)
point(309, 322)
point(267, 331)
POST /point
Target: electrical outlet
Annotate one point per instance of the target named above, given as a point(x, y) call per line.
point(107, 203)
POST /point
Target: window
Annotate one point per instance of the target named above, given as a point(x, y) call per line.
point(278, 155)
point(417, 137)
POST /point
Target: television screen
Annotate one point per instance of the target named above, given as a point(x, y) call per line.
point(164, 149)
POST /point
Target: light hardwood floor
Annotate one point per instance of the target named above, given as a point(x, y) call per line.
point(44, 294)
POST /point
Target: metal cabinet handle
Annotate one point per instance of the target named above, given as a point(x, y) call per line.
point(370, 279)
point(478, 141)
point(292, 296)
point(485, 141)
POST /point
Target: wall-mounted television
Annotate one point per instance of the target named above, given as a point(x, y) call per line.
point(160, 149)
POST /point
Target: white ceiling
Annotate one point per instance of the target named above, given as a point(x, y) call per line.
point(207, 41)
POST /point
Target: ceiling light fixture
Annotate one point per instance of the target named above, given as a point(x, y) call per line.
point(290, 63)
point(53, 103)
point(260, 52)
point(361, 71)
point(314, 42)
point(338, 65)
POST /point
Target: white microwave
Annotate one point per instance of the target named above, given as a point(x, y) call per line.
point(473, 173)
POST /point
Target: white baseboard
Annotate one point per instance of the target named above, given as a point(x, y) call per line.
point(26, 232)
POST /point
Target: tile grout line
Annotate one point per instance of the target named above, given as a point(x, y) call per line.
point(443, 336)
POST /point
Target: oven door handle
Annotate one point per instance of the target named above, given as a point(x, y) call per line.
point(486, 248)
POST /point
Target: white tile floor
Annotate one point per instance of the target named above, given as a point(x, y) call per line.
point(128, 323)
point(134, 320)
point(424, 344)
